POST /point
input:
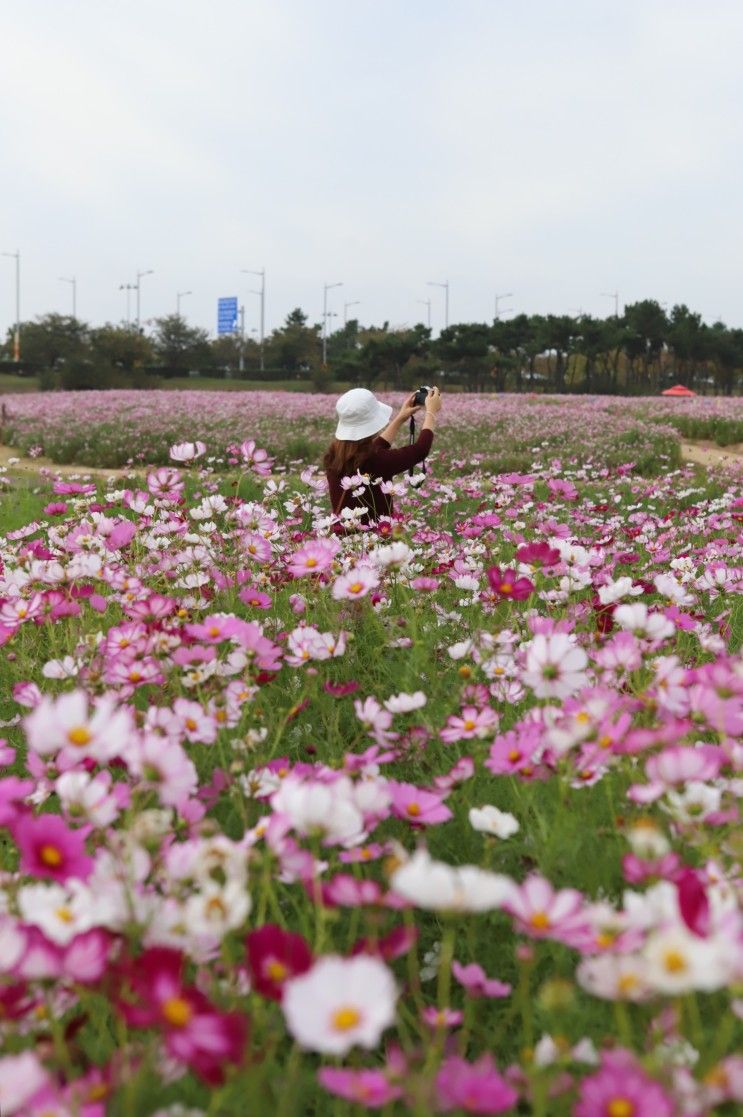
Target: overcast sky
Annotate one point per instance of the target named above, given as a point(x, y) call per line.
point(556, 149)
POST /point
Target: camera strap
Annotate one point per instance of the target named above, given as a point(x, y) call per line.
point(411, 440)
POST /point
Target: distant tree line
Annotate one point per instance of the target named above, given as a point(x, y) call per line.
point(642, 351)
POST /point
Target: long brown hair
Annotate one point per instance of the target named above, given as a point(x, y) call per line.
point(346, 458)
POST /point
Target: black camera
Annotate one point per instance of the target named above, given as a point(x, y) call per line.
point(421, 396)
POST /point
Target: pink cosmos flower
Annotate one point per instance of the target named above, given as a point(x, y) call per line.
point(476, 982)
point(473, 1087)
point(256, 547)
point(255, 597)
point(314, 557)
point(166, 483)
point(442, 1017)
point(275, 956)
point(48, 848)
point(473, 723)
point(355, 584)
point(369, 1088)
point(506, 584)
point(555, 666)
point(22, 1077)
point(257, 458)
point(424, 808)
point(541, 912)
point(621, 1088)
point(195, 1032)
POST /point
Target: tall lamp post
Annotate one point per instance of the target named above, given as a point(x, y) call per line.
point(326, 287)
point(262, 295)
point(445, 285)
point(612, 295)
point(498, 298)
point(356, 302)
point(140, 276)
point(180, 295)
point(17, 336)
point(427, 304)
point(128, 287)
point(73, 284)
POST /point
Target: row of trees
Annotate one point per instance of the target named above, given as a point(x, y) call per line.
point(641, 351)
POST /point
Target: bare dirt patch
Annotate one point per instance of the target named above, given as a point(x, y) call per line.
point(709, 454)
point(33, 467)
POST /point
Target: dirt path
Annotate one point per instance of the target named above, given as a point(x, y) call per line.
point(709, 454)
point(30, 467)
point(700, 453)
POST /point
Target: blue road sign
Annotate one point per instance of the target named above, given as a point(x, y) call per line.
point(227, 316)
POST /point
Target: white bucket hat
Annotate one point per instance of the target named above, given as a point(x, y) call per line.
point(360, 415)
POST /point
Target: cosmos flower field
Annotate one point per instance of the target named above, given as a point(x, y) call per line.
point(440, 818)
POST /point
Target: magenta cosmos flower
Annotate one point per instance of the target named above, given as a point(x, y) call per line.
point(507, 584)
point(274, 957)
point(621, 1089)
point(49, 849)
point(473, 1087)
point(195, 1032)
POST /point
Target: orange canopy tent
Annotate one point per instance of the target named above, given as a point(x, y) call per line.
point(678, 390)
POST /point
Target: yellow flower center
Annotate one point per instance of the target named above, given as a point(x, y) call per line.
point(514, 755)
point(506, 587)
point(345, 1018)
point(79, 735)
point(605, 741)
point(540, 921)
point(276, 971)
point(64, 914)
point(356, 587)
point(413, 809)
point(620, 1107)
point(627, 982)
point(50, 856)
point(674, 961)
point(213, 630)
point(470, 724)
point(310, 562)
point(582, 717)
point(177, 1011)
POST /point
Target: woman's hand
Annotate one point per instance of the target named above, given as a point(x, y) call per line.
point(408, 408)
point(433, 401)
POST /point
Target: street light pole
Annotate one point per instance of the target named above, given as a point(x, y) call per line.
point(327, 287)
point(128, 287)
point(242, 339)
point(507, 295)
point(180, 295)
point(262, 294)
point(445, 285)
point(140, 275)
point(427, 304)
point(17, 337)
point(73, 283)
point(612, 295)
point(356, 302)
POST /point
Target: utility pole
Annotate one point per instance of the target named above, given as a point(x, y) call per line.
point(73, 282)
point(17, 336)
point(427, 304)
point(180, 295)
point(445, 285)
point(262, 294)
point(140, 276)
point(128, 287)
point(498, 311)
point(612, 295)
point(327, 287)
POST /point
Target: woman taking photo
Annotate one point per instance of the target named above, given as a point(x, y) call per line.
point(362, 444)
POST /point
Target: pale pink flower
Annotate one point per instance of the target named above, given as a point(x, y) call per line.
point(473, 723)
point(79, 728)
point(541, 912)
point(187, 451)
point(314, 557)
point(355, 584)
point(555, 666)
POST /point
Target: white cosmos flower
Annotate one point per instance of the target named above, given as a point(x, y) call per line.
point(637, 618)
point(555, 665)
point(187, 451)
point(340, 1003)
point(680, 962)
point(21, 1076)
point(327, 809)
point(615, 591)
point(217, 909)
point(436, 886)
point(489, 820)
point(404, 703)
point(12, 944)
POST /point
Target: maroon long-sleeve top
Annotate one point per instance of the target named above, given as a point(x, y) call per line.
point(383, 463)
